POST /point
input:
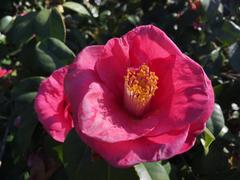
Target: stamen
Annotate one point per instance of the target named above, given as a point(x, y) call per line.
point(139, 88)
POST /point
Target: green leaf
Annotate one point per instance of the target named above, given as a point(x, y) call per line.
point(77, 7)
point(22, 29)
point(212, 62)
point(24, 101)
point(167, 166)
point(26, 85)
point(205, 4)
point(74, 154)
point(5, 23)
point(28, 120)
point(234, 54)
point(52, 54)
point(227, 31)
point(54, 148)
point(212, 8)
point(26, 129)
point(207, 139)
point(49, 23)
point(2, 39)
point(211, 5)
point(170, 169)
point(216, 123)
point(133, 19)
point(151, 171)
point(219, 89)
point(213, 163)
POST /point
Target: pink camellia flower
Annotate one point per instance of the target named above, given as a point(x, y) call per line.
point(4, 72)
point(51, 106)
point(136, 99)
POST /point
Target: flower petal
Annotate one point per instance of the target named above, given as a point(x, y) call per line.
point(195, 129)
point(138, 46)
point(87, 58)
point(51, 106)
point(80, 74)
point(188, 144)
point(129, 153)
point(147, 43)
point(113, 64)
point(189, 99)
point(101, 116)
point(86, 97)
point(198, 126)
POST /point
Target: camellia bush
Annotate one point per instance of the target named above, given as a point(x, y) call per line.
point(113, 90)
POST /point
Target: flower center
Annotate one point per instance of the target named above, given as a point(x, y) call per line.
point(139, 87)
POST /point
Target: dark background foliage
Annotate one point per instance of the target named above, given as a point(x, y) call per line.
point(37, 37)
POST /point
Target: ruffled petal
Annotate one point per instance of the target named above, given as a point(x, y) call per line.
point(80, 74)
point(195, 129)
point(51, 106)
point(113, 64)
point(147, 43)
point(111, 121)
point(87, 58)
point(136, 47)
point(129, 153)
point(101, 116)
point(188, 144)
point(189, 97)
point(198, 126)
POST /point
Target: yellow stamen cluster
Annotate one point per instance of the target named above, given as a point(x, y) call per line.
point(140, 86)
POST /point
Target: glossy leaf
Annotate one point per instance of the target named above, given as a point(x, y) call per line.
point(212, 62)
point(77, 7)
point(49, 23)
point(26, 120)
point(54, 148)
point(216, 123)
point(26, 129)
point(5, 23)
point(22, 29)
point(227, 31)
point(151, 171)
point(30, 84)
point(212, 9)
point(52, 54)
point(219, 89)
point(234, 54)
point(78, 162)
point(211, 164)
point(24, 100)
point(74, 154)
point(207, 139)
